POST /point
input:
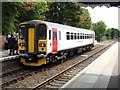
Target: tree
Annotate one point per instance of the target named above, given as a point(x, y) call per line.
point(67, 13)
point(85, 19)
point(32, 10)
point(115, 33)
point(9, 12)
point(100, 29)
point(108, 33)
point(14, 13)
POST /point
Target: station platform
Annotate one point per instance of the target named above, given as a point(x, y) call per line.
point(4, 53)
point(102, 73)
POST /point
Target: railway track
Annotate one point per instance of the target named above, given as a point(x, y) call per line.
point(18, 74)
point(61, 78)
point(22, 76)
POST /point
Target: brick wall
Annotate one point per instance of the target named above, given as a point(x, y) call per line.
point(2, 42)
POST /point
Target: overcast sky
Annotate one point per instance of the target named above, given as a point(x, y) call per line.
point(108, 15)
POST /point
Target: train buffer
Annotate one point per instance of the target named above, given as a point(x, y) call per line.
point(102, 73)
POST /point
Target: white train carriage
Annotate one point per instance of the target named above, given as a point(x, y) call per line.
point(53, 41)
point(67, 37)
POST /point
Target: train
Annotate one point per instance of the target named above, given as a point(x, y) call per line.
point(42, 42)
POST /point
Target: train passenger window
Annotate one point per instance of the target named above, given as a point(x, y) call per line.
point(49, 34)
point(78, 36)
point(90, 35)
point(68, 35)
point(83, 36)
point(75, 36)
point(59, 35)
point(42, 29)
point(87, 36)
point(71, 36)
point(54, 36)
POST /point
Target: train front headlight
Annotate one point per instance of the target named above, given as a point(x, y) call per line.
point(42, 44)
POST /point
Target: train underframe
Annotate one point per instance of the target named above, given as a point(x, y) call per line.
point(39, 59)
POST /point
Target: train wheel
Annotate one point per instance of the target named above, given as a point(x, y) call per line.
point(84, 49)
point(71, 53)
point(79, 50)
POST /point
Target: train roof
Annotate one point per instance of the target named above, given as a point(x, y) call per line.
point(59, 25)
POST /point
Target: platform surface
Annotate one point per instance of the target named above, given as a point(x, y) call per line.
point(4, 53)
point(102, 73)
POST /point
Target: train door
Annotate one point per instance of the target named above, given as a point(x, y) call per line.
point(31, 40)
point(54, 40)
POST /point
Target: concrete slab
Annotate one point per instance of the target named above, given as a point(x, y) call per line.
point(98, 73)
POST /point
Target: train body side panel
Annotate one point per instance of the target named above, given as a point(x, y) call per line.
point(65, 44)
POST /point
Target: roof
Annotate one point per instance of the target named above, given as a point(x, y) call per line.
point(99, 3)
point(59, 25)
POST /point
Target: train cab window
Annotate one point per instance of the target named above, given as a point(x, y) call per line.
point(68, 35)
point(42, 31)
point(49, 34)
point(71, 36)
point(22, 33)
point(59, 35)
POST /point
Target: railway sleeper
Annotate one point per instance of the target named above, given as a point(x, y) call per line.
point(61, 82)
point(69, 76)
point(61, 79)
point(49, 86)
point(54, 84)
point(65, 78)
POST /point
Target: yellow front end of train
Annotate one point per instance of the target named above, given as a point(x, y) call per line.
point(33, 43)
